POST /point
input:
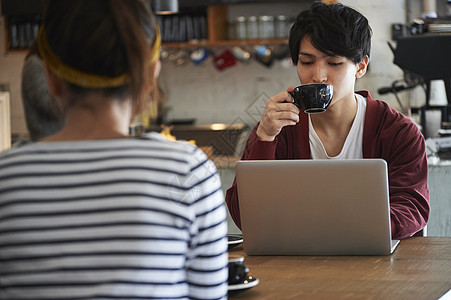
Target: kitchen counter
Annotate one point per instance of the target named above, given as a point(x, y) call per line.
point(226, 170)
point(440, 198)
point(225, 161)
point(223, 139)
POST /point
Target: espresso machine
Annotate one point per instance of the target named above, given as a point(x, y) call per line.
point(429, 56)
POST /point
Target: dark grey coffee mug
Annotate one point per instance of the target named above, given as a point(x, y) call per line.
point(312, 98)
point(237, 270)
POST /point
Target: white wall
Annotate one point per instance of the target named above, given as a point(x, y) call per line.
point(222, 96)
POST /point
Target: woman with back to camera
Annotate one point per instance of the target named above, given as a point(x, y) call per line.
point(89, 212)
point(331, 44)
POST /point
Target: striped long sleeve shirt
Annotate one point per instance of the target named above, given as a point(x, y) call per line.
point(136, 218)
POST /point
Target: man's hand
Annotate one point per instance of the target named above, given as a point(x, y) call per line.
point(279, 112)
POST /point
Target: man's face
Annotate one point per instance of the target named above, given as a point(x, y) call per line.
point(315, 66)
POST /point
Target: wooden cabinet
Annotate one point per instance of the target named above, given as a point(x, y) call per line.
point(20, 30)
point(22, 19)
point(217, 24)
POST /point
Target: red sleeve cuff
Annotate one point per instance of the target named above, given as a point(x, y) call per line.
point(263, 150)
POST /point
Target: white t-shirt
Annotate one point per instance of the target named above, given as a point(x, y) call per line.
point(352, 147)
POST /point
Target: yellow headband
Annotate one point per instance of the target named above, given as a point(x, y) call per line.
point(155, 53)
point(81, 78)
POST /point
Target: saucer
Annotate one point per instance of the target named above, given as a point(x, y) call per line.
point(246, 284)
point(234, 240)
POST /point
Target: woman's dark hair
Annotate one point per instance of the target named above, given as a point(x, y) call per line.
point(334, 29)
point(106, 38)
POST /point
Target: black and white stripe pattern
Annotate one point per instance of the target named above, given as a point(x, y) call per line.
point(114, 219)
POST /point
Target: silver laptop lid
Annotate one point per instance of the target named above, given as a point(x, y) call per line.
point(314, 207)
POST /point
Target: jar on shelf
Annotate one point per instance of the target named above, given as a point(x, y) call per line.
point(240, 28)
point(281, 27)
point(266, 27)
point(252, 27)
point(231, 31)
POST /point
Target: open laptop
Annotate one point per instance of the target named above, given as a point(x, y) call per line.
point(315, 207)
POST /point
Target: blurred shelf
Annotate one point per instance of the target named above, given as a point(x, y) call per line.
point(206, 43)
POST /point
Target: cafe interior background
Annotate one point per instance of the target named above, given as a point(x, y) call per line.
point(221, 64)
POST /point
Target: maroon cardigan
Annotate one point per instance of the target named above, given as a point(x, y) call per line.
point(388, 135)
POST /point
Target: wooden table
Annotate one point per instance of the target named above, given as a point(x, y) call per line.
point(420, 268)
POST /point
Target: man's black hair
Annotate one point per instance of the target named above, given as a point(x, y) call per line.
point(334, 29)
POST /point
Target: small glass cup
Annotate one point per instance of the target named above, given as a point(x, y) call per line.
point(252, 28)
point(266, 27)
point(240, 28)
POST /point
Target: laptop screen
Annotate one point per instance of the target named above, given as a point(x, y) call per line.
point(314, 207)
